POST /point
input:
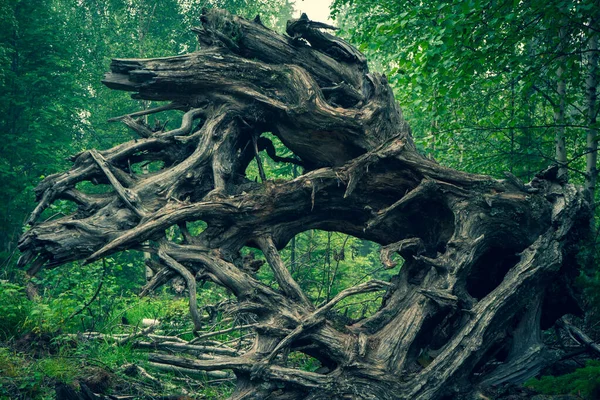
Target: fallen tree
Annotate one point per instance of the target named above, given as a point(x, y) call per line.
point(487, 265)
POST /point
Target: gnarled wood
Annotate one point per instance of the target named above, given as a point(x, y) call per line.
point(479, 252)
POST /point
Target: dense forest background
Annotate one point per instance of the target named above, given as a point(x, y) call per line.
point(487, 87)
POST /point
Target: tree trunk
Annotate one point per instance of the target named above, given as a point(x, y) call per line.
point(487, 263)
point(559, 110)
point(591, 83)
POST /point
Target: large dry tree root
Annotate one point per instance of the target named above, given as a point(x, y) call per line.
point(488, 263)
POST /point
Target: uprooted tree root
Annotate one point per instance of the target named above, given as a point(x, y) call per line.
point(488, 263)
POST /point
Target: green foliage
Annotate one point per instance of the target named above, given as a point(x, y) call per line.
point(59, 369)
point(584, 382)
point(64, 291)
point(216, 392)
point(590, 282)
point(63, 358)
point(107, 355)
point(162, 307)
point(22, 377)
point(300, 360)
point(325, 263)
point(16, 309)
point(39, 109)
point(477, 79)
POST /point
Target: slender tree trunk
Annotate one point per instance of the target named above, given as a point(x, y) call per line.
point(529, 104)
point(512, 126)
point(559, 112)
point(591, 95)
point(434, 126)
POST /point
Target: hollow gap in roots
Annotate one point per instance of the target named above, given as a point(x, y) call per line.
point(147, 167)
point(490, 269)
point(325, 263)
point(275, 159)
point(88, 187)
point(304, 362)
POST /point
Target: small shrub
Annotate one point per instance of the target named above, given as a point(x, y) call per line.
point(15, 310)
point(9, 366)
point(20, 379)
point(584, 382)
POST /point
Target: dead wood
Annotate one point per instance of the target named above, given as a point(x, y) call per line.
point(482, 256)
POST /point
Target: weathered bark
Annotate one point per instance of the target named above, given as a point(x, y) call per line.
point(488, 262)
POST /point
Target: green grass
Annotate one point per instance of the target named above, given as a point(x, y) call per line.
point(59, 369)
